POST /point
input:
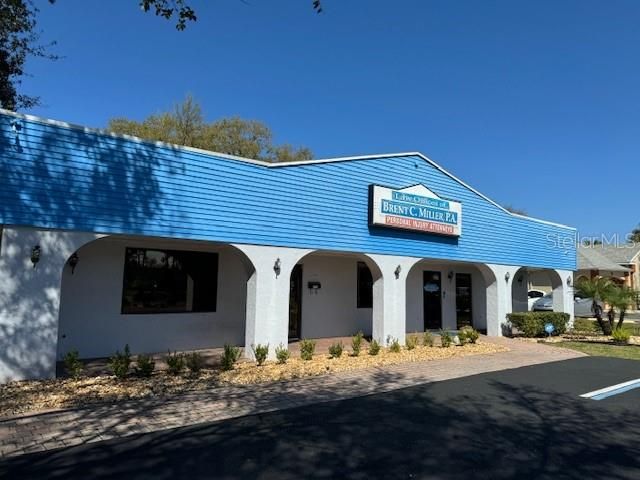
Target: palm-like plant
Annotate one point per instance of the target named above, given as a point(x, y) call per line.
point(619, 298)
point(597, 289)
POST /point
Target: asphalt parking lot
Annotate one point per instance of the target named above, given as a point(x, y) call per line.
point(517, 424)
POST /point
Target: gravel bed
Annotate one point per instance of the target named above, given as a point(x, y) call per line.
point(40, 395)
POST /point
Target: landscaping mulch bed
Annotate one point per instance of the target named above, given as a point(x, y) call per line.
point(38, 395)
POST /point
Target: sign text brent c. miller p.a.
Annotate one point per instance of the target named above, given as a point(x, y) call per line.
point(417, 211)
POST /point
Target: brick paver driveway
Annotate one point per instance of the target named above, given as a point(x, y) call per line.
point(45, 431)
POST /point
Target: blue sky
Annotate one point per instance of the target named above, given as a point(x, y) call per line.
point(535, 104)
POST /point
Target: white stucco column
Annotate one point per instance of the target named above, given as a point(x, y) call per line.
point(267, 315)
point(499, 301)
point(30, 299)
point(563, 293)
point(520, 290)
point(390, 297)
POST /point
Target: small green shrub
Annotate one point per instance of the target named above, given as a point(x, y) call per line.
point(427, 339)
point(468, 335)
point(531, 324)
point(620, 335)
point(411, 342)
point(356, 343)
point(194, 362)
point(72, 364)
point(307, 347)
point(260, 352)
point(374, 347)
point(445, 339)
point(335, 350)
point(473, 335)
point(394, 345)
point(282, 354)
point(175, 362)
point(230, 356)
point(145, 365)
point(121, 362)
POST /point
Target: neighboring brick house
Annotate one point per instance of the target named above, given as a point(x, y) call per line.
point(593, 261)
point(621, 263)
point(627, 256)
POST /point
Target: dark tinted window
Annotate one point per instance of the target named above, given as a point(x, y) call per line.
point(169, 281)
point(365, 286)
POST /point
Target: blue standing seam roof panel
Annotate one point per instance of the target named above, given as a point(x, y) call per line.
point(56, 176)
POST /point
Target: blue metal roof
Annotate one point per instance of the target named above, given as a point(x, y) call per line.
point(55, 175)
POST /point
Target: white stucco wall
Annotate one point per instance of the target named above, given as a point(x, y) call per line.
point(332, 311)
point(563, 290)
point(520, 288)
point(90, 315)
point(30, 299)
point(47, 311)
point(267, 312)
point(415, 303)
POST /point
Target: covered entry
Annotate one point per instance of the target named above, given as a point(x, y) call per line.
point(152, 294)
point(331, 295)
point(447, 295)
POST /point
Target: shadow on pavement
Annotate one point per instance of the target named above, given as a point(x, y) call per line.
point(487, 426)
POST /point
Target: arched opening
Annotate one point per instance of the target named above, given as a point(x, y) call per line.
point(333, 295)
point(447, 295)
point(153, 294)
point(532, 289)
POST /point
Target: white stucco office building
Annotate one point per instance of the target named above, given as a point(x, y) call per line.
point(107, 240)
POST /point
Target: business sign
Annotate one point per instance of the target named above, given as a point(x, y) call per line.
point(414, 208)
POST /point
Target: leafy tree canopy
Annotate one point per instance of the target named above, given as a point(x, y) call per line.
point(19, 39)
point(634, 236)
point(591, 242)
point(517, 211)
point(183, 13)
point(185, 125)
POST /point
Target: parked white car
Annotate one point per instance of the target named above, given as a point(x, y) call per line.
point(581, 306)
point(533, 297)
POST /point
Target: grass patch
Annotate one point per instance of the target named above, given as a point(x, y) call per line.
point(588, 325)
point(630, 352)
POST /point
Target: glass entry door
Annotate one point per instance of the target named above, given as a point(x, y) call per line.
point(295, 303)
point(464, 312)
point(432, 296)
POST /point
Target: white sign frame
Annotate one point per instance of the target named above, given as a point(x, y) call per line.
point(414, 208)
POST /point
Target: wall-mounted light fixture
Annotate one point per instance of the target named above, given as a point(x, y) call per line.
point(520, 279)
point(277, 267)
point(314, 286)
point(73, 262)
point(569, 281)
point(35, 255)
point(397, 271)
point(450, 275)
point(507, 276)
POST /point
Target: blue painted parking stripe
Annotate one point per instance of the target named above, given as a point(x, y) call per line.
point(612, 390)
